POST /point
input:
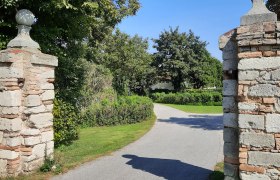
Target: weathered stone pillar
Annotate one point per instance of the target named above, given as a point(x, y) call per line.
point(254, 50)
point(26, 102)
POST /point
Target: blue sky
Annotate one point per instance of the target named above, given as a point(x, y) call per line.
point(206, 18)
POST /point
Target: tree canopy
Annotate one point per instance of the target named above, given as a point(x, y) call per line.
point(274, 6)
point(184, 59)
point(68, 29)
point(128, 59)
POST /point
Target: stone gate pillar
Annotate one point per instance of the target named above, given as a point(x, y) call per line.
point(251, 103)
point(26, 102)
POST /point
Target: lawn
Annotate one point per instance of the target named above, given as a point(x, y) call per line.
point(218, 173)
point(93, 143)
point(198, 109)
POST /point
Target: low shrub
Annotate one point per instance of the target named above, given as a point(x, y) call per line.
point(65, 123)
point(123, 110)
point(189, 98)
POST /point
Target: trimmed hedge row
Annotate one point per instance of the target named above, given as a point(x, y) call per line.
point(189, 98)
point(124, 110)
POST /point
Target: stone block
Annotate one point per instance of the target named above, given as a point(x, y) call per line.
point(1, 136)
point(49, 108)
point(35, 110)
point(230, 51)
point(41, 120)
point(250, 55)
point(264, 90)
point(269, 41)
point(230, 170)
point(229, 104)
point(245, 176)
point(31, 166)
point(50, 145)
point(247, 121)
point(247, 106)
point(48, 95)
point(31, 141)
point(47, 86)
point(248, 75)
point(231, 150)
point(230, 135)
point(33, 100)
point(44, 59)
point(10, 124)
point(259, 63)
point(257, 140)
point(47, 136)
point(28, 158)
point(249, 168)
point(3, 166)
point(49, 153)
point(39, 150)
point(231, 178)
point(30, 132)
point(275, 75)
point(47, 75)
point(230, 64)
point(230, 120)
point(273, 123)
point(13, 141)
point(264, 158)
point(10, 72)
point(7, 154)
point(9, 110)
point(10, 98)
point(229, 87)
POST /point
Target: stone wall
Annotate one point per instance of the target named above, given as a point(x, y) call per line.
point(26, 103)
point(251, 96)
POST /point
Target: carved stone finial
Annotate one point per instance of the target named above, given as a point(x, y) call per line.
point(25, 19)
point(258, 13)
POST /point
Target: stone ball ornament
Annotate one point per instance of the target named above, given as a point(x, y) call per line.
point(25, 17)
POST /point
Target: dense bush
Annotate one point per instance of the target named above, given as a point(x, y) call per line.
point(123, 110)
point(65, 123)
point(192, 98)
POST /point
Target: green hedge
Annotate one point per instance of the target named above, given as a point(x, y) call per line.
point(65, 123)
point(189, 98)
point(123, 110)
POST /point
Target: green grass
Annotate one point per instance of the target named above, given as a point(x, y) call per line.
point(93, 143)
point(198, 109)
point(218, 173)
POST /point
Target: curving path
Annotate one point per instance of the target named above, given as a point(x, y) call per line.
point(181, 146)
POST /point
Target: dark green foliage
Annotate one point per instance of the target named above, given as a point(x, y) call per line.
point(183, 59)
point(124, 110)
point(51, 165)
point(129, 61)
point(189, 98)
point(47, 166)
point(274, 6)
point(65, 123)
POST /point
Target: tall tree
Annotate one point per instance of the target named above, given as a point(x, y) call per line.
point(66, 28)
point(184, 59)
point(128, 60)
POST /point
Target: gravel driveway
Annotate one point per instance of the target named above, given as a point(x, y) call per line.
point(181, 146)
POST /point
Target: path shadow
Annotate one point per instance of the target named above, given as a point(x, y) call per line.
point(168, 168)
point(205, 122)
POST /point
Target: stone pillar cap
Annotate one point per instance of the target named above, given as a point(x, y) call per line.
point(25, 19)
point(259, 13)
